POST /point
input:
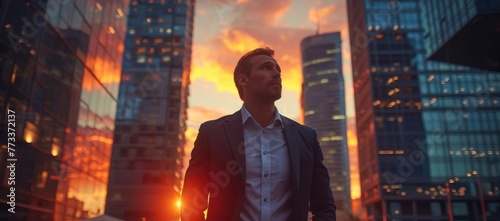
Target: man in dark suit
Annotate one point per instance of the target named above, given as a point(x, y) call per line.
point(257, 164)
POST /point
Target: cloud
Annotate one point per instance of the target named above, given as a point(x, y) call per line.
point(215, 60)
point(261, 13)
point(239, 41)
point(321, 15)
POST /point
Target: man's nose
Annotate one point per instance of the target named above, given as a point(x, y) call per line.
point(276, 73)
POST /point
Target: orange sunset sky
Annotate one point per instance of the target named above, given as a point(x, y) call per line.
point(226, 29)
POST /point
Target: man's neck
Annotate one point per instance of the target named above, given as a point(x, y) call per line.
point(263, 113)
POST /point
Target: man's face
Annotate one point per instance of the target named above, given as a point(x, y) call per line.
point(264, 81)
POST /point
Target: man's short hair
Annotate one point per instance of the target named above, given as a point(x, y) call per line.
point(243, 66)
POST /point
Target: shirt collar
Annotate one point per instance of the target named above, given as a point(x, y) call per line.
point(245, 115)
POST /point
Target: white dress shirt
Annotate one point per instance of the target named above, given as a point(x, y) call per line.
point(268, 190)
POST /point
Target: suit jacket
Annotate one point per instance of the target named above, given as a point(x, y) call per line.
point(217, 166)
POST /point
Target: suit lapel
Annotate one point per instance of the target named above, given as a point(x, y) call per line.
point(292, 142)
point(233, 128)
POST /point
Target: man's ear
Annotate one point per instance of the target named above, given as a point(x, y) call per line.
point(242, 80)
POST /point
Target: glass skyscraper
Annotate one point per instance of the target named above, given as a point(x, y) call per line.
point(60, 67)
point(323, 103)
point(463, 32)
point(148, 149)
point(424, 127)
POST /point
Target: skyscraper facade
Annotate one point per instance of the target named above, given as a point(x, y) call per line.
point(323, 103)
point(145, 175)
point(60, 67)
point(466, 33)
point(424, 128)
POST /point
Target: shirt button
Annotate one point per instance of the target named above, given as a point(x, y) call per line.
point(265, 175)
point(265, 152)
point(265, 199)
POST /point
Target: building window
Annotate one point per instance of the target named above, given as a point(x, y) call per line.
point(141, 59)
point(165, 50)
point(141, 50)
point(165, 58)
point(176, 78)
point(30, 133)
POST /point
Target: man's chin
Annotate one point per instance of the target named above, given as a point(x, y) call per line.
point(276, 97)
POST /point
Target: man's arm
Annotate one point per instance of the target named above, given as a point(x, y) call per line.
point(194, 197)
point(322, 205)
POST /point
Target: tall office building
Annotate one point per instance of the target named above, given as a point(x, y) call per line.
point(421, 124)
point(466, 33)
point(60, 67)
point(148, 149)
point(323, 103)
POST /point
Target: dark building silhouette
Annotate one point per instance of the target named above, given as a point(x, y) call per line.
point(420, 123)
point(60, 75)
point(463, 32)
point(148, 149)
point(323, 103)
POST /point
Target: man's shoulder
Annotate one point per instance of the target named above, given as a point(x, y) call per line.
point(218, 121)
point(303, 128)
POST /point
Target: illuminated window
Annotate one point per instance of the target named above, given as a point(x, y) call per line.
point(165, 58)
point(379, 36)
point(329, 71)
point(30, 133)
point(176, 78)
point(169, 30)
point(332, 51)
point(99, 6)
point(430, 78)
point(160, 20)
point(317, 61)
point(41, 179)
point(150, 60)
point(111, 30)
point(386, 152)
point(309, 112)
point(131, 31)
point(119, 13)
point(165, 50)
point(141, 59)
point(338, 117)
point(158, 40)
point(151, 50)
point(311, 84)
point(56, 147)
point(141, 50)
point(332, 138)
point(148, 20)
